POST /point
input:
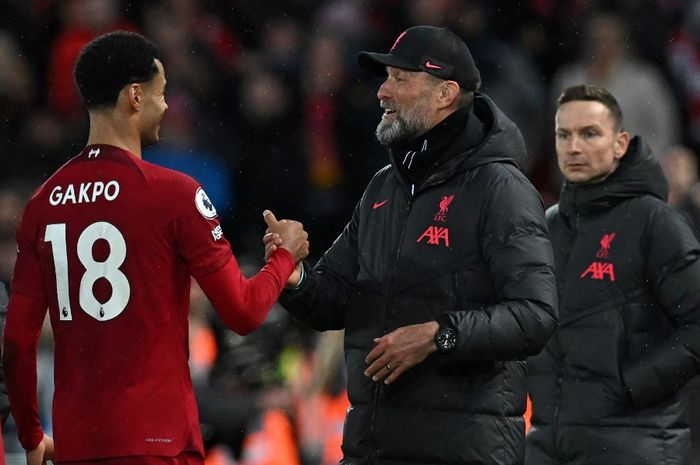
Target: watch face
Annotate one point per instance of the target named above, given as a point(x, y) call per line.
point(446, 339)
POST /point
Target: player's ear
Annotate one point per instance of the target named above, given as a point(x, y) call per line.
point(134, 94)
point(622, 142)
point(448, 93)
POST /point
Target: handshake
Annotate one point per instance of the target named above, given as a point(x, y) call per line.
point(286, 234)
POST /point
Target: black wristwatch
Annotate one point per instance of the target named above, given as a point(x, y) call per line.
point(446, 339)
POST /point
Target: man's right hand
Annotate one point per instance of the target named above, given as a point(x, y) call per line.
point(287, 234)
point(42, 452)
point(272, 241)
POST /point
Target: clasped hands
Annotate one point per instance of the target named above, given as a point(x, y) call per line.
point(289, 235)
point(394, 353)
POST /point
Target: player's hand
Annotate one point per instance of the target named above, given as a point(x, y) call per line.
point(271, 241)
point(291, 237)
point(396, 352)
point(42, 453)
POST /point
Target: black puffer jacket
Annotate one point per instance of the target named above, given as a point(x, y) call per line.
point(605, 389)
point(471, 245)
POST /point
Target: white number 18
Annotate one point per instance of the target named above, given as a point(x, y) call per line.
point(94, 270)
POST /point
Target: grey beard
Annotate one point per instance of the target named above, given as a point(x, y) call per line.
point(403, 129)
point(393, 133)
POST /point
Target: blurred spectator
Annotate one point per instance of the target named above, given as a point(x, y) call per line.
point(267, 113)
point(684, 58)
point(246, 382)
point(17, 92)
point(282, 47)
point(321, 402)
point(12, 200)
point(44, 142)
point(323, 84)
point(266, 156)
point(83, 20)
point(680, 166)
point(647, 102)
point(433, 12)
point(179, 149)
point(509, 75)
point(202, 55)
point(342, 17)
point(16, 79)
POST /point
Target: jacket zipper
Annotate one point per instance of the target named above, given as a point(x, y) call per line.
point(555, 423)
point(380, 386)
point(557, 396)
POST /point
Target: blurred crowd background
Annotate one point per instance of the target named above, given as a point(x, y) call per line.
point(268, 109)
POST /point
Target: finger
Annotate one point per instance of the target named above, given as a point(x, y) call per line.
point(396, 371)
point(373, 369)
point(269, 252)
point(383, 371)
point(270, 218)
point(374, 354)
point(378, 368)
point(373, 372)
point(272, 238)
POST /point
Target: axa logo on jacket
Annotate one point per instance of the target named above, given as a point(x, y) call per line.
point(435, 234)
point(602, 270)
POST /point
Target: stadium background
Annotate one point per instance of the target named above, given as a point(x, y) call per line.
point(269, 110)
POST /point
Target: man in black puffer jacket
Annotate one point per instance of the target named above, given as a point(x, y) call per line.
point(605, 390)
point(443, 279)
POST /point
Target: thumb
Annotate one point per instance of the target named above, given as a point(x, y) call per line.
point(270, 219)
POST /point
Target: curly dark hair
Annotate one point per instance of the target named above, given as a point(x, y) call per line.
point(593, 93)
point(111, 61)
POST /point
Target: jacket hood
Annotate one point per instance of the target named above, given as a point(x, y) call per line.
point(500, 139)
point(639, 174)
point(489, 137)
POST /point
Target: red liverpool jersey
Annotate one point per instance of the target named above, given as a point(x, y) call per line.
point(110, 242)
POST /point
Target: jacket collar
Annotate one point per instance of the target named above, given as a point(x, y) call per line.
point(488, 136)
point(639, 174)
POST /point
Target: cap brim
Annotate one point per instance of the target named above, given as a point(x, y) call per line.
point(377, 62)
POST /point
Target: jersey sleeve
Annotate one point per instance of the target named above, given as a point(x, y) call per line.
point(200, 239)
point(25, 316)
point(27, 274)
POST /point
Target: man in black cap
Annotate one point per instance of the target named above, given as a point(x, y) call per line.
point(443, 279)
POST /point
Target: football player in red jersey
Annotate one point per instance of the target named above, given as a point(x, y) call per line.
point(108, 245)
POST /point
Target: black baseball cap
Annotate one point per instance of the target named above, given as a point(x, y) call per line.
point(434, 50)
